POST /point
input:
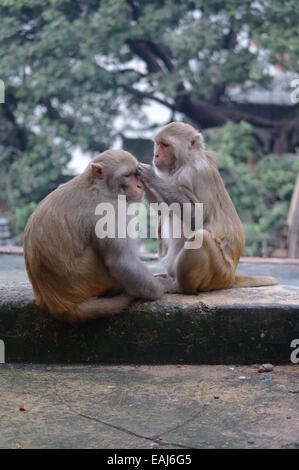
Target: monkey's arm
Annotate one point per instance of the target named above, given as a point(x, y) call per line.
point(158, 190)
point(163, 191)
point(122, 261)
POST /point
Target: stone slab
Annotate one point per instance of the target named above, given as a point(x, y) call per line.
point(244, 326)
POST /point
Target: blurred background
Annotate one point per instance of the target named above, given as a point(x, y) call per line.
point(80, 76)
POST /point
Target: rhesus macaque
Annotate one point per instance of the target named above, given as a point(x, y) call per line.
point(76, 275)
point(183, 172)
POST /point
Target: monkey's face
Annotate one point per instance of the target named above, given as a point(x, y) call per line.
point(115, 171)
point(130, 186)
point(164, 155)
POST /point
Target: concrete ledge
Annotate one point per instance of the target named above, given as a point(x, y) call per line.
point(241, 326)
point(11, 250)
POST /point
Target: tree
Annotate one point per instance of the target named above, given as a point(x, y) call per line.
point(72, 67)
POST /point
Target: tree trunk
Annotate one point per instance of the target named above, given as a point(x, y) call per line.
point(275, 136)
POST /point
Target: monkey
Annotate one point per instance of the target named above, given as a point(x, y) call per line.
point(76, 275)
point(184, 171)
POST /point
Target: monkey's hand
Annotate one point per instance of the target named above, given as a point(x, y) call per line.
point(150, 181)
point(161, 275)
point(144, 167)
point(170, 285)
point(148, 175)
point(160, 190)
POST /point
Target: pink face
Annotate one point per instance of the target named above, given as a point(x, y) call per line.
point(128, 182)
point(162, 154)
point(134, 188)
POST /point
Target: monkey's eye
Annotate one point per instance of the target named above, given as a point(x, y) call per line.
point(164, 144)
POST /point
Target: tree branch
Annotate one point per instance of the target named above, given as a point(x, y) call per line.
point(230, 40)
point(54, 114)
point(211, 115)
point(134, 9)
point(129, 70)
point(20, 132)
point(147, 95)
point(229, 43)
point(162, 54)
point(287, 136)
point(141, 49)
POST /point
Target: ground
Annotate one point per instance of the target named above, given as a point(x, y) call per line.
point(12, 268)
point(155, 407)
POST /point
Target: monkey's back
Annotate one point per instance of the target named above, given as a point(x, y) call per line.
point(62, 263)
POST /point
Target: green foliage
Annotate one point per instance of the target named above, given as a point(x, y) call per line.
point(21, 216)
point(71, 71)
point(28, 177)
point(261, 190)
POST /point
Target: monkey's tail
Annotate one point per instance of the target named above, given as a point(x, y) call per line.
point(95, 308)
point(254, 281)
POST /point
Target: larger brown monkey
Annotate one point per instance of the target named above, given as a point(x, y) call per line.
point(68, 265)
point(184, 172)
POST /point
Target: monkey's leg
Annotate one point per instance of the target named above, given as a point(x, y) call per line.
point(96, 308)
point(203, 269)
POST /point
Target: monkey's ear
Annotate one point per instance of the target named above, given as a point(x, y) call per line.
point(97, 171)
point(196, 142)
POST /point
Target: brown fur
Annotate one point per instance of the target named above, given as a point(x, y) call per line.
point(68, 266)
point(188, 173)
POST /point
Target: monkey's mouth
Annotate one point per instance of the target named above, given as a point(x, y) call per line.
point(159, 163)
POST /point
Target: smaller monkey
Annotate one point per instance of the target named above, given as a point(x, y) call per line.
point(184, 172)
point(72, 271)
